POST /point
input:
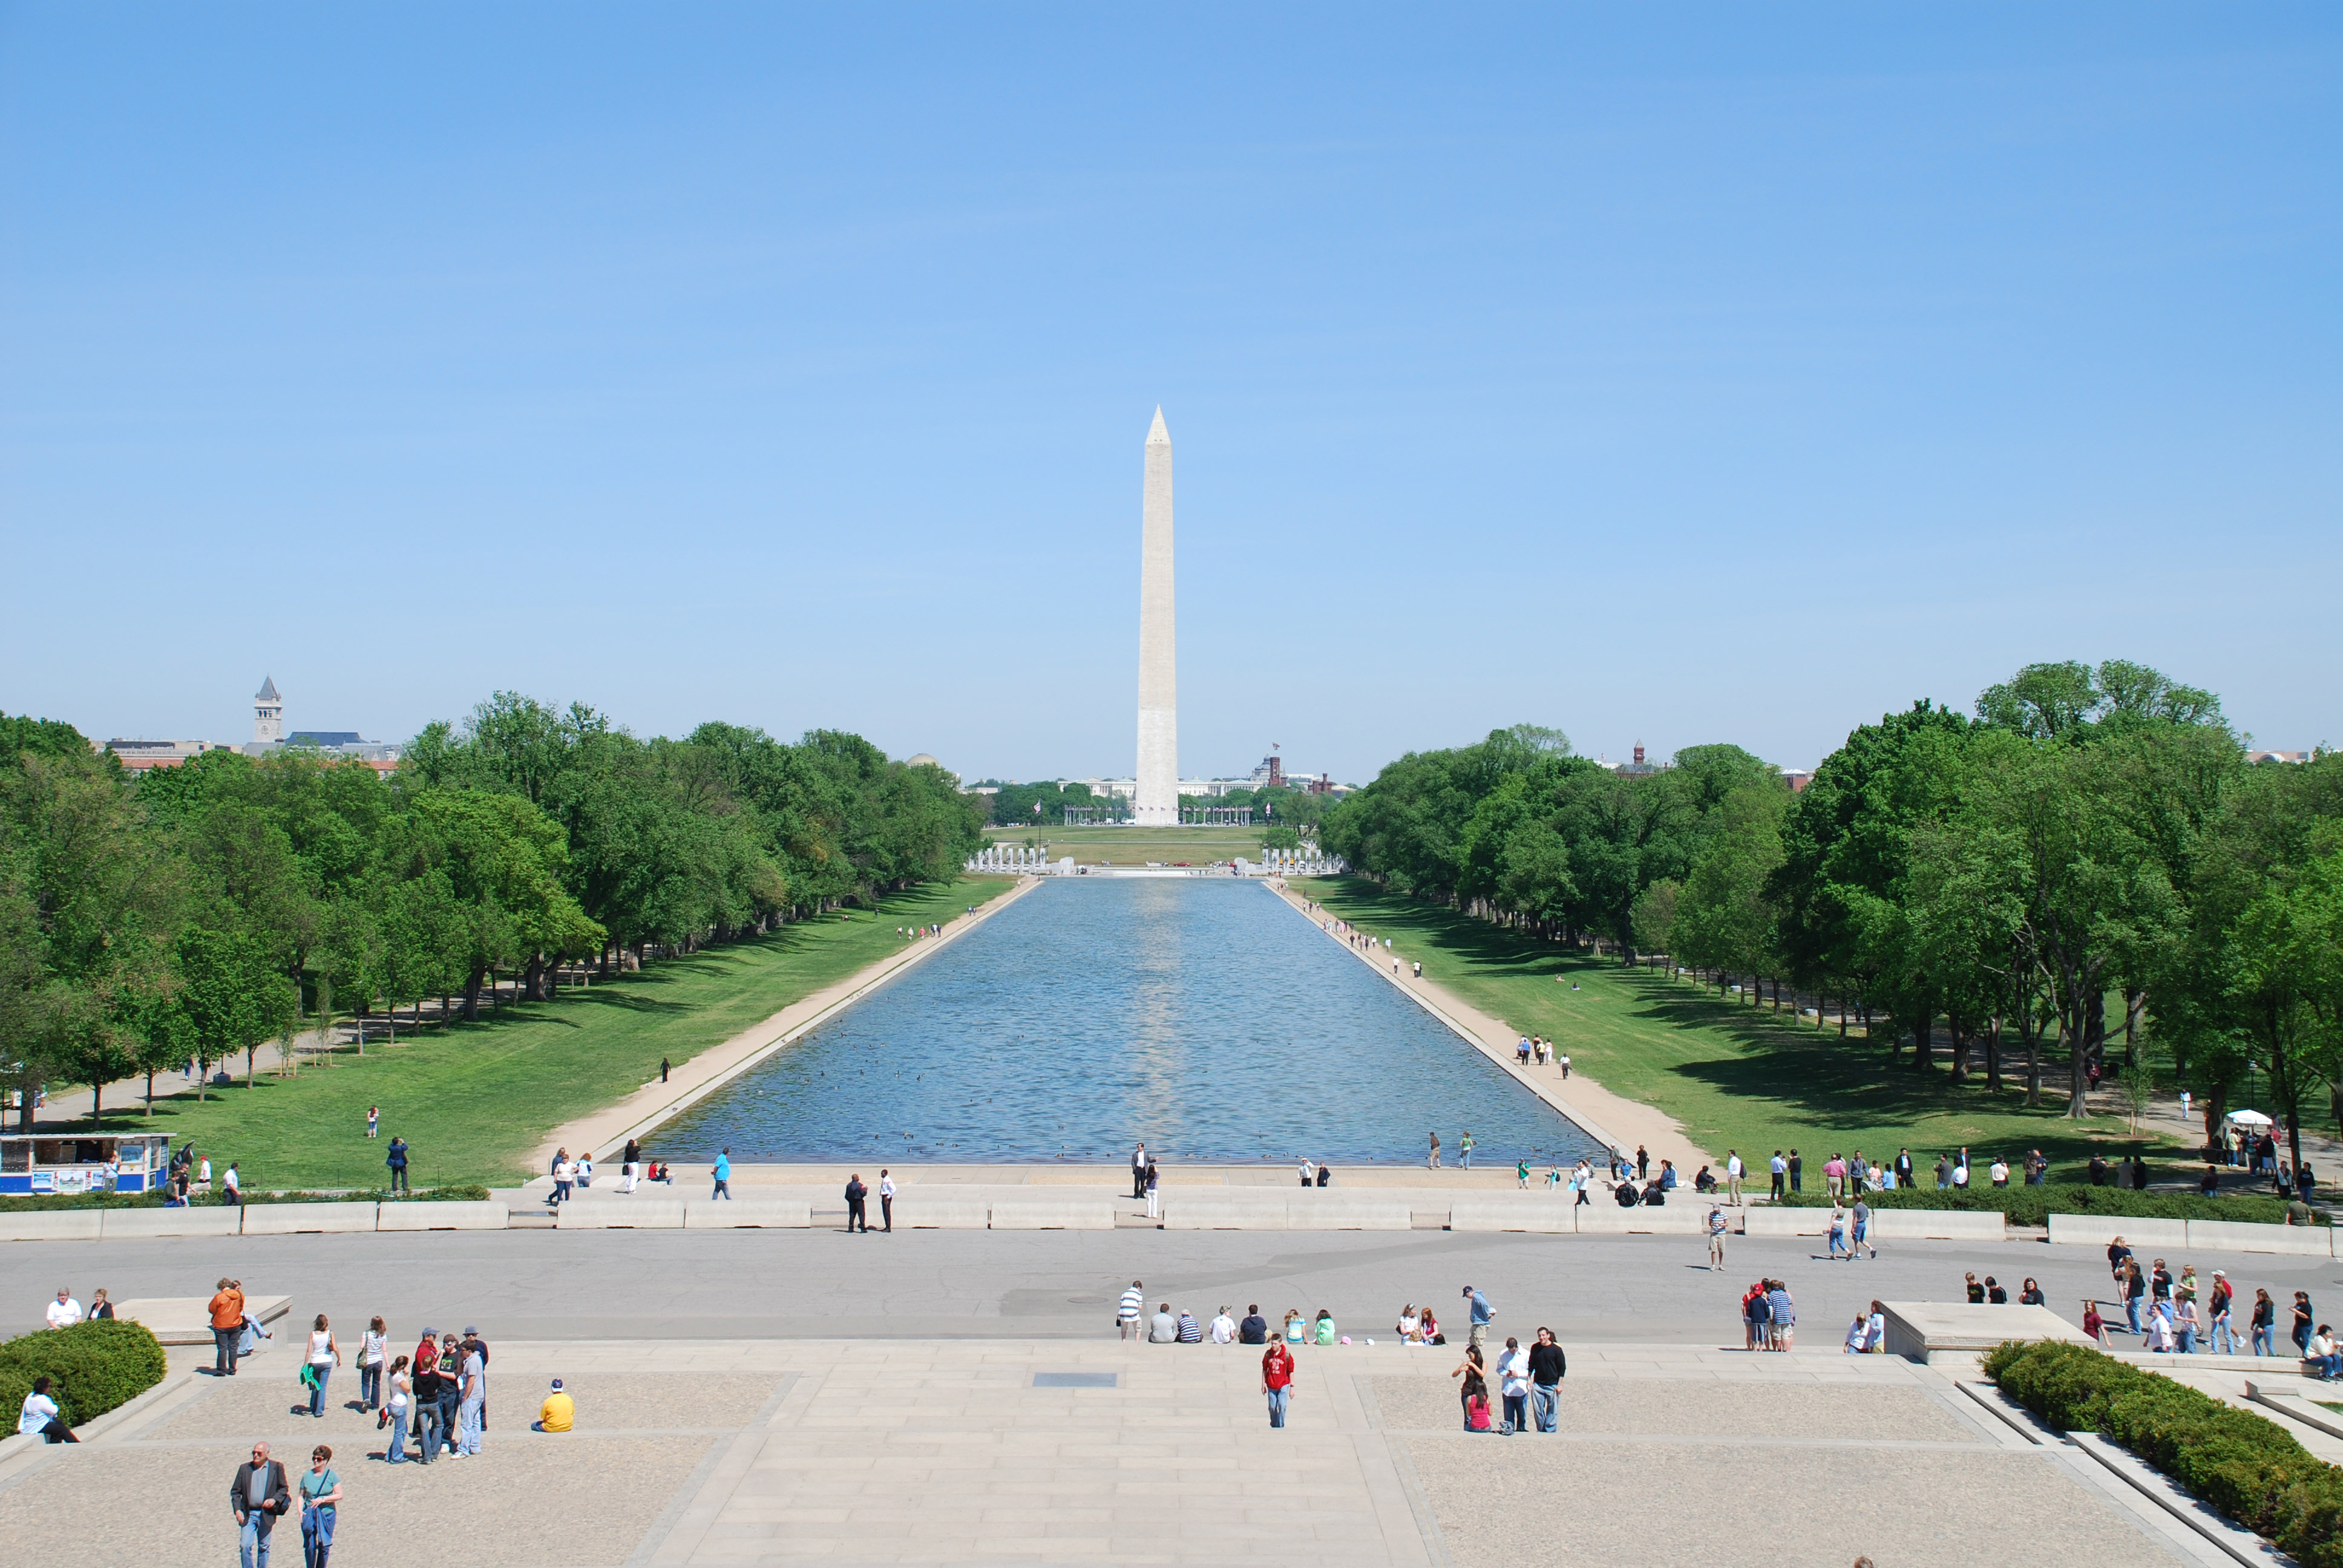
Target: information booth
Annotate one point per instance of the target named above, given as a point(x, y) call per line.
point(41, 1164)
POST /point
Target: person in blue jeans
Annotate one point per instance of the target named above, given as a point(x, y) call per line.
point(723, 1174)
point(321, 1490)
point(325, 1355)
point(260, 1496)
point(1547, 1368)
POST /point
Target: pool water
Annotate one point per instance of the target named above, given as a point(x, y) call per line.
point(1204, 1016)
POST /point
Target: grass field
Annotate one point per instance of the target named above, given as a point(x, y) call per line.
point(474, 1102)
point(1735, 1076)
point(1137, 846)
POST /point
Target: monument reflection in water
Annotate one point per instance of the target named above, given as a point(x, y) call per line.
point(1201, 1016)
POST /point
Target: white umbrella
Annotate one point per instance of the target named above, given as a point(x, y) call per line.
point(2250, 1118)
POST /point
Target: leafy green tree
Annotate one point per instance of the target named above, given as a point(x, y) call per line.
point(231, 996)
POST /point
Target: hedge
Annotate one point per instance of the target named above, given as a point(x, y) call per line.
point(17, 1204)
point(2243, 1465)
point(2034, 1205)
point(97, 1366)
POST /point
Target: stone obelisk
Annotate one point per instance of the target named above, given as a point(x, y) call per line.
point(1157, 803)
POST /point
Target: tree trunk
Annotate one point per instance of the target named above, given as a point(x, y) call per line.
point(96, 1108)
point(2030, 1033)
point(1961, 1041)
point(1924, 1039)
point(472, 994)
point(2134, 1003)
point(1993, 1055)
point(150, 1091)
point(2079, 1054)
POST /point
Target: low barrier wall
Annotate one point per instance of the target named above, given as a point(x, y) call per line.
point(1772, 1221)
point(751, 1214)
point(635, 1214)
point(295, 1219)
point(1066, 1213)
point(1540, 1215)
point(1669, 1220)
point(56, 1225)
point(921, 1212)
point(2230, 1235)
point(441, 1214)
point(1935, 1225)
point(140, 1224)
point(2099, 1229)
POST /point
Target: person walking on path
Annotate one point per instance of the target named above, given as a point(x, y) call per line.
point(856, 1216)
point(1838, 1232)
point(1715, 1237)
point(39, 1416)
point(260, 1494)
point(1277, 1381)
point(885, 1201)
point(372, 1348)
point(397, 1160)
point(227, 1328)
point(1431, 1161)
point(1862, 1231)
point(1643, 1162)
point(565, 1177)
point(722, 1172)
point(325, 1355)
point(663, 1069)
point(1547, 1368)
point(1733, 1170)
point(321, 1491)
point(1464, 1150)
point(1126, 1316)
point(1479, 1315)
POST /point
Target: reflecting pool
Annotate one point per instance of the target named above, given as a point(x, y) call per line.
point(1206, 1017)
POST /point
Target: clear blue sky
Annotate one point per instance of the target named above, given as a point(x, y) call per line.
point(1685, 375)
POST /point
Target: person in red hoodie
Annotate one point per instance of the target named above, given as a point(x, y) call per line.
point(1277, 1380)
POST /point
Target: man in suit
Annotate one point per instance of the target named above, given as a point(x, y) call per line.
point(260, 1496)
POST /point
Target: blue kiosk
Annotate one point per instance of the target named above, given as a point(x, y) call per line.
point(41, 1164)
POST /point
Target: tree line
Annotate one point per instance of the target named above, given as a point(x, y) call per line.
point(197, 911)
point(2086, 856)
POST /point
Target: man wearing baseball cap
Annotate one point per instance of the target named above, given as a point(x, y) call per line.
point(558, 1411)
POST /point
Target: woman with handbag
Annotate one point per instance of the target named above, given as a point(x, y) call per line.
point(324, 1356)
point(370, 1358)
point(321, 1490)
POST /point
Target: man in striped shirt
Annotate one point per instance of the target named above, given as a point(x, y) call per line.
point(1126, 1317)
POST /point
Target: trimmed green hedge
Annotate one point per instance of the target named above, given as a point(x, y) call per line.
point(98, 1366)
point(2034, 1205)
point(2244, 1465)
point(17, 1204)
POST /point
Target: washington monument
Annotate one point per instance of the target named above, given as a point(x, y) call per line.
point(1157, 803)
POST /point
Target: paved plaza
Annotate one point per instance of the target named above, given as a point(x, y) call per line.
point(811, 1396)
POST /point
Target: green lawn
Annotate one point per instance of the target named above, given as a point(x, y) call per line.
point(1735, 1076)
point(476, 1101)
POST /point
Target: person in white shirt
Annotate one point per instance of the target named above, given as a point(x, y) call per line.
point(204, 1172)
point(1126, 1317)
point(64, 1312)
point(1308, 1172)
point(1225, 1329)
point(41, 1416)
point(1732, 1169)
point(1999, 1171)
point(1961, 1176)
point(887, 1201)
point(1513, 1383)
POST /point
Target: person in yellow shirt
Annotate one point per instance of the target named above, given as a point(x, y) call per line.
point(558, 1411)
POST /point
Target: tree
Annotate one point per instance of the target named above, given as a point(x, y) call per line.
point(1724, 920)
point(231, 994)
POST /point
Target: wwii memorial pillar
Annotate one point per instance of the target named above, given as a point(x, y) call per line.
point(1157, 801)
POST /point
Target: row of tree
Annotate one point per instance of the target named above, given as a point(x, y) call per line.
point(2089, 853)
point(199, 910)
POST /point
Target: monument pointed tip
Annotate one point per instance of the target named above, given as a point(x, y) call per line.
point(1157, 436)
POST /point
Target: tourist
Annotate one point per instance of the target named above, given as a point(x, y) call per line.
point(1522, 1052)
point(1514, 1386)
point(1715, 1237)
point(2030, 1294)
point(1325, 1174)
point(2160, 1336)
point(1780, 1169)
point(395, 1411)
point(429, 1431)
point(232, 1186)
point(1854, 1332)
point(1296, 1331)
point(1703, 1181)
point(1838, 1232)
point(1155, 1192)
point(374, 1120)
point(1732, 1169)
point(371, 1346)
point(2036, 1169)
point(1581, 1182)
point(1224, 1328)
point(1190, 1332)
point(1522, 1175)
point(2302, 1316)
point(473, 1344)
point(248, 1343)
point(318, 1365)
point(1875, 1337)
point(565, 1177)
point(2224, 1335)
point(1835, 1178)
point(2185, 1320)
point(887, 1201)
point(1755, 1317)
point(2263, 1323)
point(473, 1396)
point(227, 1328)
point(2119, 1255)
point(857, 1215)
point(1478, 1315)
point(397, 1160)
point(1547, 1368)
point(1308, 1172)
point(1277, 1381)
point(39, 1413)
point(451, 1394)
point(321, 1490)
point(204, 1174)
point(1473, 1371)
point(1464, 1150)
point(1432, 1334)
point(2095, 1325)
point(1409, 1327)
point(1163, 1328)
point(1126, 1316)
point(722, 1174)
point(1139, 1171)
point(1785, 1314)
point(1322, 1328)
point(585, 1164)
point(260, 1494)
point(1862, 1241)
point(1431, 1161)
point(1643, 1162)
point(1976, 1291)
point(1997, 1294)
point(1797, 1171)
point(1565, 1061)
point(64, 1312)
point(2208, 1183)
point(1253, 1331)
point(101, 1310)
point(559, 1413)
point(1999, 1171)
point(2131, 1290)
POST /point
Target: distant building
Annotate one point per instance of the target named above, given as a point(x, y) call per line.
point(267, 717)
point(1798, 778)
point(140, 756)
point(2281, 756)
